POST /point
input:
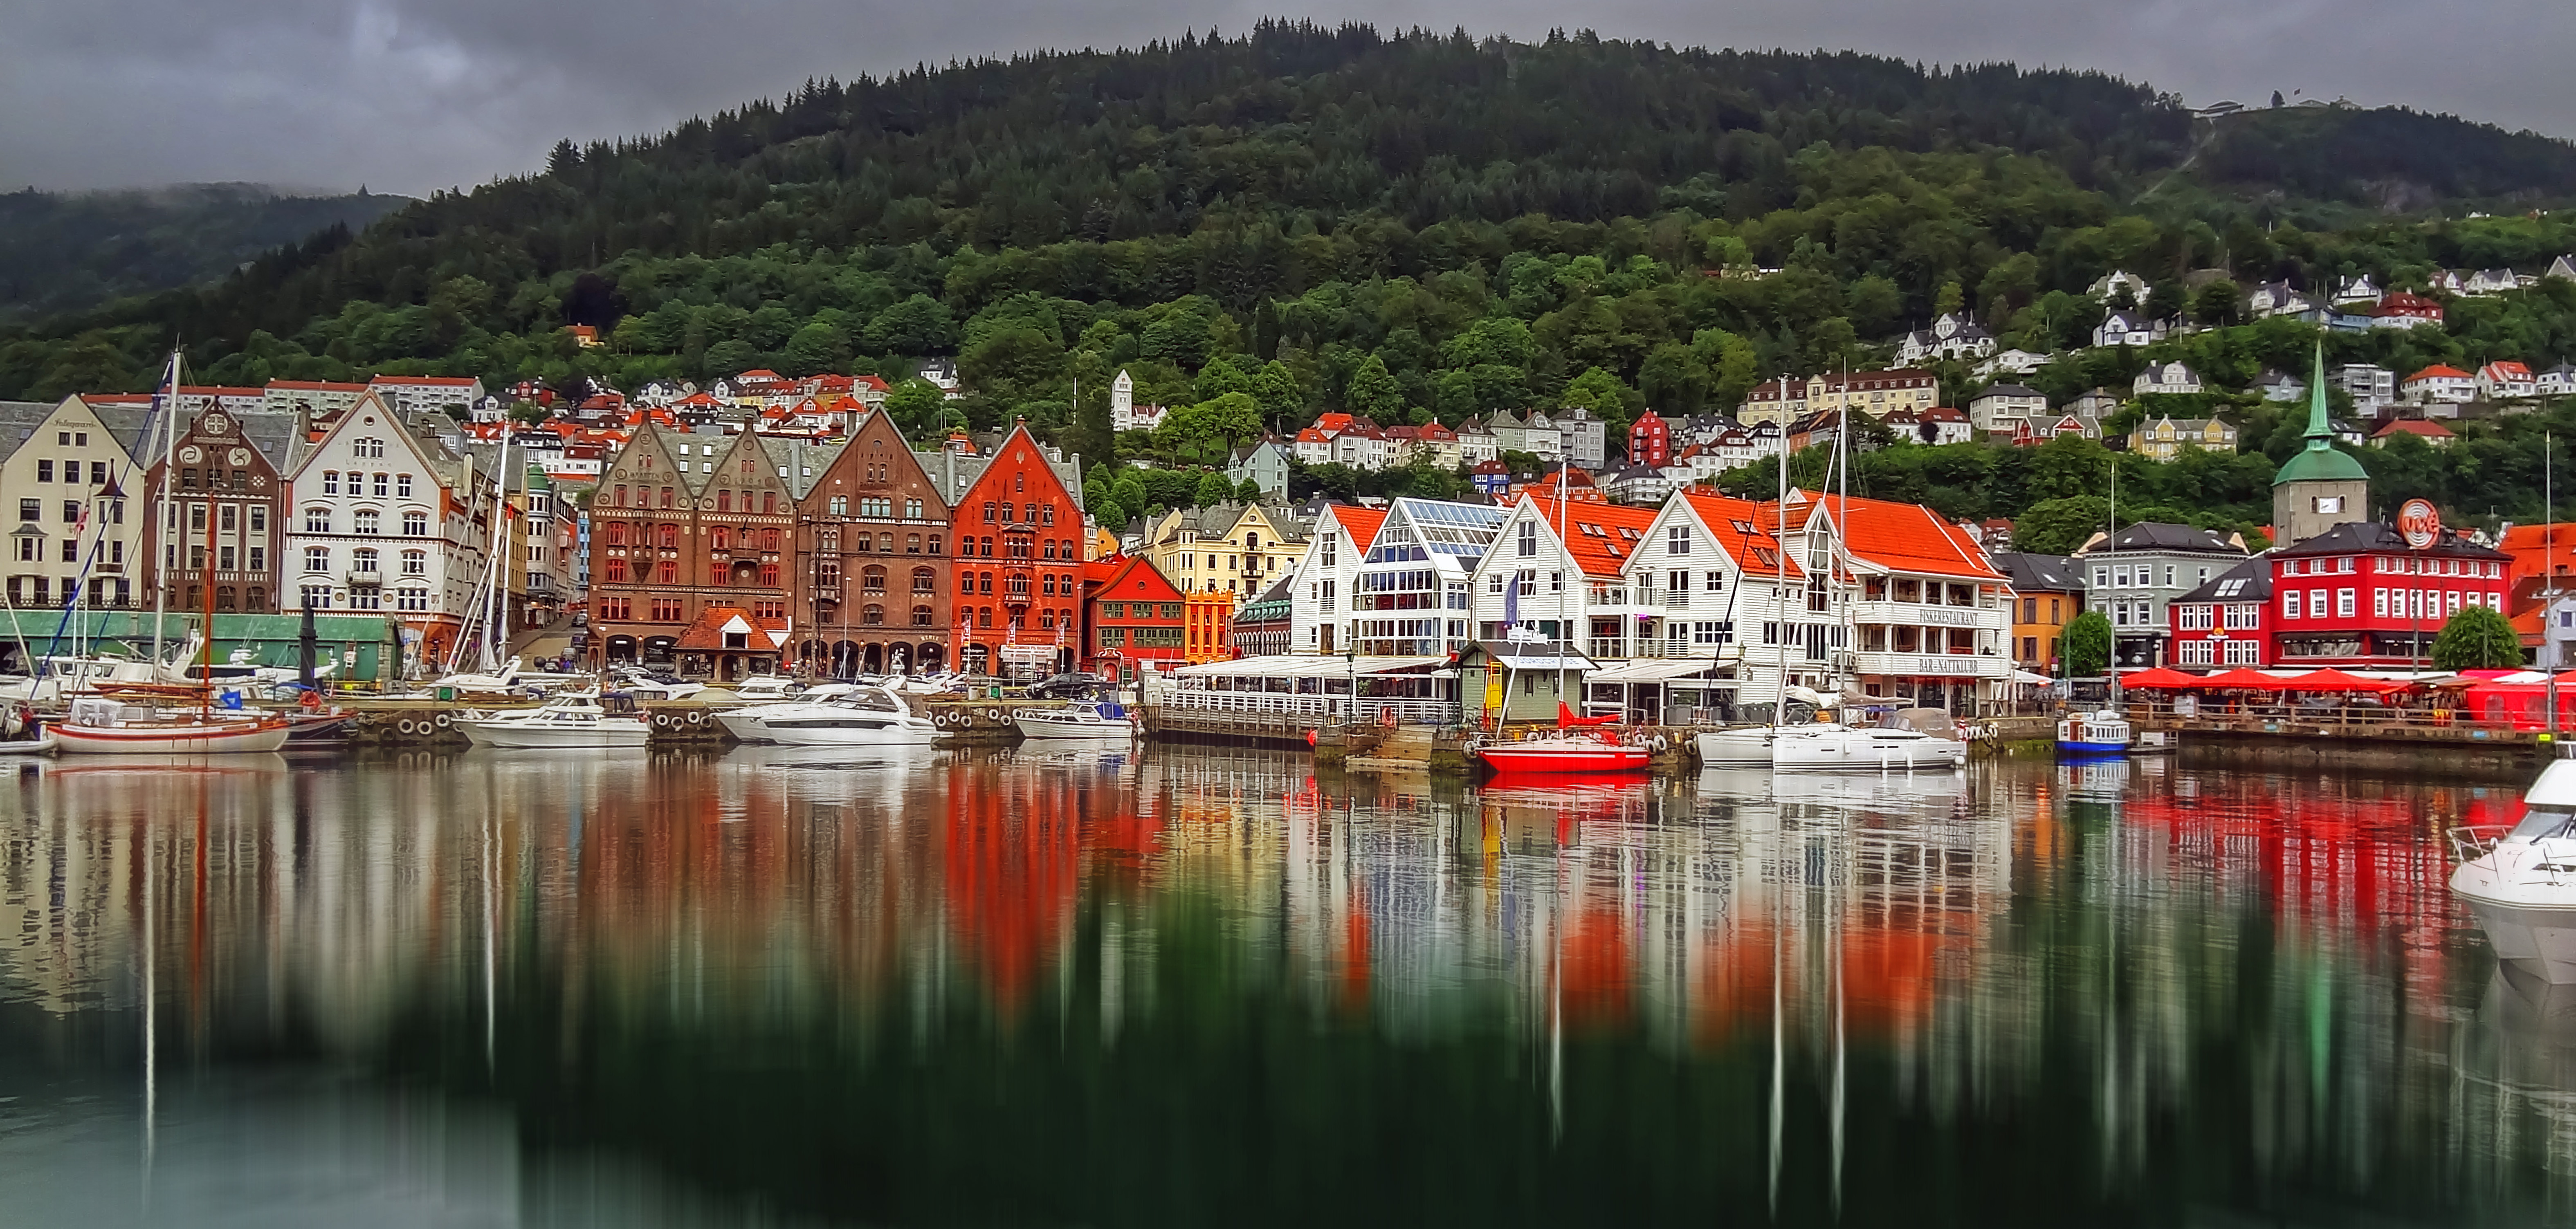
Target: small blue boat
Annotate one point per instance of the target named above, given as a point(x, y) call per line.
point(2092, 734)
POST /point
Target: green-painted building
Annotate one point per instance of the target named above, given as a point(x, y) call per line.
point(367, 649)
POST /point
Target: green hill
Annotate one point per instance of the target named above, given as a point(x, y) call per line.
point(2390, 157)
point(65, 251)
point(1409, 225)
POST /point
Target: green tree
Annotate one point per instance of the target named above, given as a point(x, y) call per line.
point(1214, 490)
point(1128, 492)
point(1600, 392)
point(1275, 387)
point(2059, 526)
point(1206, 433)
point(2085, 645)
point(1373, 393)
point(1248, 491)
point(2477, 639)
point(1220, 377)
point(919, 408)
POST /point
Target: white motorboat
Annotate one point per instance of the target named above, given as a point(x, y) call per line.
point(1829, 746)
point(2521, 881)
point(766, 689)
point(565, 721)
point(648, 687)
point(1090, 720)
point(44, 743)
point(864, 717)
point(112, 727)
point(503, 679)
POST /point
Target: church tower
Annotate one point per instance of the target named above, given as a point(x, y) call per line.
point(2323, 486)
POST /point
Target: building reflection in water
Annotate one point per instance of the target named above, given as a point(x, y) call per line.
point(783, 980)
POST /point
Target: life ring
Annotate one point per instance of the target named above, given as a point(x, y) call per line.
point(444, 720)
point(1660, 745)
point(993, 714)
point(661, 721)
point(697, 716)
point(1310, 736)
point(1386, 717)
point(940, 720)
point(409, 727)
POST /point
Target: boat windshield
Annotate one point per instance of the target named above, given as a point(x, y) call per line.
point(2544, 823)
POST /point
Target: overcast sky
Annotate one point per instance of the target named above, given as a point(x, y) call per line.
point(414, 95)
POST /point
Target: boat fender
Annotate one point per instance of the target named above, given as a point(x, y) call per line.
point(409, 728)
point(995, 714)
point(697, 716)
point(444, 720)
point(1660, 745)
point(661, 721)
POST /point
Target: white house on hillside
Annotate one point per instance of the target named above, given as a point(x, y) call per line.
point(2173, 378)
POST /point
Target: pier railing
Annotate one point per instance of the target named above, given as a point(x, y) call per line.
point(1321, 708)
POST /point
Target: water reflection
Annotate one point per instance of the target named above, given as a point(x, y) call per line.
point(1098, 985)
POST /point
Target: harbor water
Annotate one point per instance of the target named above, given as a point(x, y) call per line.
point(1188, 986)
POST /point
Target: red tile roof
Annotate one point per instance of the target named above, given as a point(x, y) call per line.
point(1361, 523)
point(1594, 531)
point(2435, 372)
point(1743, 527)
point(708, 633)
point(1903, 537)
point(2414, 426)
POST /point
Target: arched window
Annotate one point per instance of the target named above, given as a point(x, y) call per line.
point(921, 616)
point(719, 538)
point(366, 521)
point(872, 615)
point(616, 571)
point(416, 524)
point(885, 544)
point(923, 579)
point(616, 531)
point(966, 582)
point(724, 501)
point(317, 520)
point(669, 572)
point(620, 501)
point(769, 539)
point(768, 503)
point(670, 537)
point(716, 570)
point(256, 599)
point(666, 497)
point(769, 575)
point(872, 580)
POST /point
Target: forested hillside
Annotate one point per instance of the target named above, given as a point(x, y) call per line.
point(66, 251)
point(1409, 227)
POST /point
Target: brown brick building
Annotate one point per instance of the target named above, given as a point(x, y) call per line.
point(872, 557)
point(685, 521)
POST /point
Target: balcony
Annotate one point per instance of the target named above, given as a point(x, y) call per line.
point(1917, 614)
point(1674, 599)
point(1933, 665)
point(368, 576)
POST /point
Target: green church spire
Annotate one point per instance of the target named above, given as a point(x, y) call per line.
point(2320, 432)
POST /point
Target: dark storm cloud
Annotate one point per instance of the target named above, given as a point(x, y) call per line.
point(413, 95)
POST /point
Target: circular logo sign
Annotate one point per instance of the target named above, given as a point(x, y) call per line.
point(2418, 523)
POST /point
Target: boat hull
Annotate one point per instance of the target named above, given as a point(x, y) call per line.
point(2535, 933)
point(767, 725)
point(1829, 749)
point(1037, 725)
point(218, 738)
point(521, 736)
point(1523, 759)
point(2071, 747)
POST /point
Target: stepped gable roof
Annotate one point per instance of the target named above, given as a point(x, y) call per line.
point(2250, 581)
point(1902, 537)
point(1593, 531)
point(2034, 573)
point(1741, 528)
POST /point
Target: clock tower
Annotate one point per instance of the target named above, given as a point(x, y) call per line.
point(2322, 486)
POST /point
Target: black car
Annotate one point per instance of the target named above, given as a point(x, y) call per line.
point(1077, 686)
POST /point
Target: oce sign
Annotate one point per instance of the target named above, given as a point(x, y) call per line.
point(2418, 523)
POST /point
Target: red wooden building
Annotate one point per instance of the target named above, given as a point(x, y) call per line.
point(1136, 614)
point(1018, 562)
point(2362, 594)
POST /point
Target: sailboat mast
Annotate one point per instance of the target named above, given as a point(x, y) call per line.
point(1780, 564)
point(492, 605)
point(161, 508)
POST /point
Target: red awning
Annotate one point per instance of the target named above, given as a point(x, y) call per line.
point(2337, 680)
point(2159, 679)
point(2253, 680)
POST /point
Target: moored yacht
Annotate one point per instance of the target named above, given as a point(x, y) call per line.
point(1097, 720)
point(2521, 881)
point(865, 716)
point(112, 727)
point(571, 720)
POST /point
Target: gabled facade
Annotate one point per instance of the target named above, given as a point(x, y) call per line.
point(1650, 441)
point(1954, 336)
point(1320, 619)
point(1136, 615)
point(1232, 549)
point(1409, 595)
point(83, 507)
point(2506, 381)
point(1707, 577)
point(1019, 530)
point(872, 562)
point(226, 521)
point(2168, 378)
point(2359, 595)
point(1557, 571)
point(1264, 464)
point(2137, 572)
point(2165, 438)
point(384, 519)
point(1930, 613)
point(2048, 592)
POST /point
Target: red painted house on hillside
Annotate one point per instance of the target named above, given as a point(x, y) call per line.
point(1136, 615)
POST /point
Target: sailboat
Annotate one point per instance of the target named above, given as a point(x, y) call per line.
point(103, 726)
point(1823, 745)
point(492, 673)
point(1575, 747)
